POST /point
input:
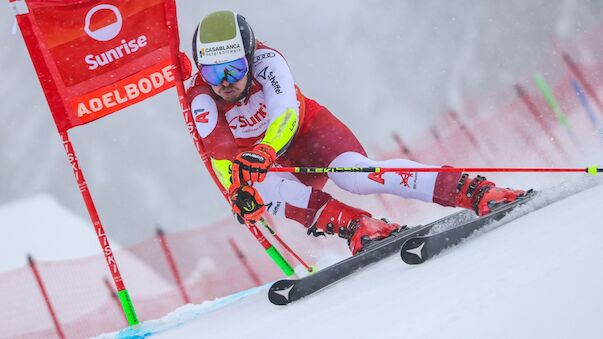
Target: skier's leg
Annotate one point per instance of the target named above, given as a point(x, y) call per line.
point(415, 185)
point(285, 196)
point(329, 141)
point(279, 189)
point(317, 146)
point(446, 189)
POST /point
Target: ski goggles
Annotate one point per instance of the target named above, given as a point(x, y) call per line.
point(231, 71)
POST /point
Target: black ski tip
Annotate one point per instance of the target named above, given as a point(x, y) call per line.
point(412, 251)
point(280, 292)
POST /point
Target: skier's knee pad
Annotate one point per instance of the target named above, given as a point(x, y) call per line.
point(349, 181)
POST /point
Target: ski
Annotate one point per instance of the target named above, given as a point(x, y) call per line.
point(422, 247)
point(285, 291)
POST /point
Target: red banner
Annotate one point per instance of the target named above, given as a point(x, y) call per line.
point(95, 57)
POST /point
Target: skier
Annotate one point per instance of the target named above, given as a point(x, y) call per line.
point(252, 116)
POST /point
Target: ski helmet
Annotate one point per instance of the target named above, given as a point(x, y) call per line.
point(221, 37)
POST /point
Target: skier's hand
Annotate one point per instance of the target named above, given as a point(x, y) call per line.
point(251, 166)
point(247, 204)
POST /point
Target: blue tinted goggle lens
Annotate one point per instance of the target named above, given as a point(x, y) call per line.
point(231, 71)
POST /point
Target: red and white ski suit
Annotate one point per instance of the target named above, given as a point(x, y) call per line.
point(319, 140)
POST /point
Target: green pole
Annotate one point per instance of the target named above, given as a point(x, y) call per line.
point(550, 99)
point(128, 307)
point(280, 261)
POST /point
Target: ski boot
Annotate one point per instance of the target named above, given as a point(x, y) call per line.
point(482, 195)
point(353, 224)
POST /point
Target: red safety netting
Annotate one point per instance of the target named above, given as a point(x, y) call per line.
point(82, 294)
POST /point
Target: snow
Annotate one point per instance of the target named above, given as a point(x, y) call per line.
point(536, 277)
point(42, 227)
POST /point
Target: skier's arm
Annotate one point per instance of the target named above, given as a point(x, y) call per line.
point(273, 73)
point(281, 131)
point(282, 107)
point(215, 134)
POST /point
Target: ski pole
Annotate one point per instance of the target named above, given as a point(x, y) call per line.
point(272, 252)
point(289, 249)
point(319, 170)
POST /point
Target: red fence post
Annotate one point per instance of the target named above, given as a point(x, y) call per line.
point(53, 315)
point(173, 267)
point(403, 148)
point(470, 136)
point(254, 277)
point(436, 135)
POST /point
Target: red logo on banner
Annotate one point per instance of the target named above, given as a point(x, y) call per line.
point(98, 57)
point(102, 37)
point(107, 32)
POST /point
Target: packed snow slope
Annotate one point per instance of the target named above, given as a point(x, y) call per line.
point(42, 227)
point(539, 276)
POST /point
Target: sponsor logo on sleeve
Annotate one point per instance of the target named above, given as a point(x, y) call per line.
point(201, 115)
point(268, 75)
point(263, 56)
point(205, 114)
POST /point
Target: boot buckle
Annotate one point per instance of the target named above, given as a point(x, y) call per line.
point(329, 228)
point(313, 230)
point(474, 184)
point(461, 183)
